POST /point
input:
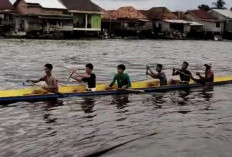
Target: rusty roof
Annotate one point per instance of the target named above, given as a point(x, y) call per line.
point(201, 14)
point(181, 16)
point(159, 13)
point(6, 5)
point(123, 13)
point(81, 5)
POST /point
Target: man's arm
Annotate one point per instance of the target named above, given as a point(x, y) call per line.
point(175, 72)
point(113, 82)
point(152, 74)
point(77, 78)
point(36, 81)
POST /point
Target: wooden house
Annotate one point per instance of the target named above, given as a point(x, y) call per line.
point(225, 16)
point(211, 25)
point(166, 23)
point(125, 21)
point(6, 17)
point(86, 15)
point(196, 29)
point(42, 16)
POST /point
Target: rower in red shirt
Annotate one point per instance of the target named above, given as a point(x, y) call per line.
point(209, 75)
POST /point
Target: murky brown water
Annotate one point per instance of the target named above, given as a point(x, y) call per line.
point(178, 123)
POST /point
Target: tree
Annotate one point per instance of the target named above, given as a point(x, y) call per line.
point(220, 4)
point(204, 7)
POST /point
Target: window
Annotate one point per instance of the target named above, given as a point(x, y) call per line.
point(218, 24)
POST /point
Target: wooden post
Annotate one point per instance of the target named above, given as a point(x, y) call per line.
point(86, 21)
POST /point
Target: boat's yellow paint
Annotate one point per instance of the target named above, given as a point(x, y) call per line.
point(71, 89)
point(82, 88)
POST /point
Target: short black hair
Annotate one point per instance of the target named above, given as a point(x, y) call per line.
point(122, 67)
point(160, 66)
point(49, 66)
point(186, 63)
point(89, 65)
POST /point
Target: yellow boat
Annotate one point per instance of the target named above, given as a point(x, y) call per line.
point(37, 93)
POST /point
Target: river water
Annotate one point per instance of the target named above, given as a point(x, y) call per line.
point(190, 123)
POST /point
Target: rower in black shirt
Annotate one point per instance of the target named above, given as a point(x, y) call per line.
point(89, 77)
point(183, 72)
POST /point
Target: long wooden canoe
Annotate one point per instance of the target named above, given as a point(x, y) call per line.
point(37, 93)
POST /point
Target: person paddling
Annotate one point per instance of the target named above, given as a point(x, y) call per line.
point(209, 75)
point(49, 78)
point(89, 77)
point(122, 79)
point(159, 75)
point(184, 74)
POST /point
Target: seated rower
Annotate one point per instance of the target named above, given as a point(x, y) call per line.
point(49, 78)
point(184, 74)
point(122, 79)
point(160, 75)
point(209, 75)
point(89, 77)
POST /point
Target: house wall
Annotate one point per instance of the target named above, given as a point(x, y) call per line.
point(96, 21)
point(228, 21)
point(27, 24)
point(52, 25)
point(25, 8)
point(166, 27)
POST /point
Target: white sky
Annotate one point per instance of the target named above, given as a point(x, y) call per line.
point(146, 4)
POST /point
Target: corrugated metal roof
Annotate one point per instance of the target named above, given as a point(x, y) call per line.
point(195, 24)
point(203, 14)
point(6, 5)
point(81, 5)
point(54, 4)
point(178, 21)
point(224, 12)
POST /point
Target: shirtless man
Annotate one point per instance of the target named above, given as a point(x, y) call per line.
point(49, 78)
point(159, 75)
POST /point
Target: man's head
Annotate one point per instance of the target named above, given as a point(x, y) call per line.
point(48, 68)
point(185, 65)
point(159, 67)
point(89, 68)
point(207, 66)
point(121, 68)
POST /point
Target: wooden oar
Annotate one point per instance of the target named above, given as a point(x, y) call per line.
point(70, 77)
point(147, 72)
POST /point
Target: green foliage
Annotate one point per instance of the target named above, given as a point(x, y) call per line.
point(204, 7)
point(220, 4)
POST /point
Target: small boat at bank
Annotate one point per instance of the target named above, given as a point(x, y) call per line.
point(37, 93)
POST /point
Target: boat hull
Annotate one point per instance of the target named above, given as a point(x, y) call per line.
point(35, 94)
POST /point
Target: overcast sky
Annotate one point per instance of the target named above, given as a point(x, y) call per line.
point(146, 4)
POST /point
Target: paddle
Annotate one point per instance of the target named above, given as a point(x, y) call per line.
point(70, 77)
point(147, 71)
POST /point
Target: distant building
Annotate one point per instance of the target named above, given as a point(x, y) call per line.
point(86, 15)
point(42, 16)
point(225, 16)
point(166, 23)
point(211, 25)
point(125, 21)
point(196, 29)
point(6, 17)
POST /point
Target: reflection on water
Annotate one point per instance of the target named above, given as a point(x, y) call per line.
point(120, 101)
point(88, 104)
point(183, 123)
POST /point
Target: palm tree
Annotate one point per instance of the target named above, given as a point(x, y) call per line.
point(219, 4)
